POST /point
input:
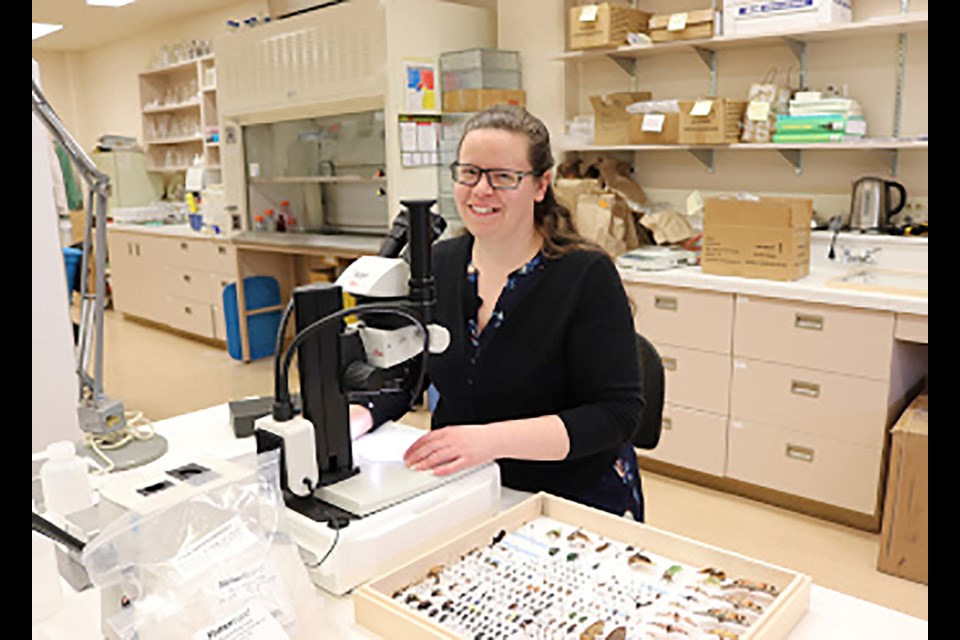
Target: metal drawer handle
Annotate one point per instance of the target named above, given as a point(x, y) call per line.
point(187, 310)
point(186, 277)
point(799, 453)
point(805, 321)
point(670, 364)
point(667, 303)
point(808, 389)
point(222, 250)
point(184, 246)
point(667, 424)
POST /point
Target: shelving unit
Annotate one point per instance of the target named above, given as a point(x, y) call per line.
point(629, 57)
point(178, 107)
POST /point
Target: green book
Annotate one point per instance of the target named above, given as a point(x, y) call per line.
point(822, 124)
point(801, 137)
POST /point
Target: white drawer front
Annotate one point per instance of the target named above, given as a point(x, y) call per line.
point(805, 465)
point(190, 316)
point(683, 317)
point(696, 379)
point(691, 439)
point(206, 255)
point(857, 342)
point(188, 284)
point(832, 405)
point(216, 284)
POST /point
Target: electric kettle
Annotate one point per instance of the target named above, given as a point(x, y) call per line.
point(870, 208)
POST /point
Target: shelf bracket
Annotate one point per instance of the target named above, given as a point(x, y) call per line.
point(709, 58)
point(794, 157)
point(895, 162)
point(627, 64)
point(799, 49)
point(705, 156)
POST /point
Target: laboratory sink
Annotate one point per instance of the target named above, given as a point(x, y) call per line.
point(904, 283)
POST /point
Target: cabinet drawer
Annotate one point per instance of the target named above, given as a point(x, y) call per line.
point(683, 317)
point(857, 342)
point(841, 474)
point(216, 283)
point(692, 439)
point(190, 316)
point(696, 379)
point(219, 323)
point(188, 284)
point(205, 255)
point(835, 406)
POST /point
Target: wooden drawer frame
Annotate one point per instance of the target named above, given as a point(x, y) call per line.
point(683, 317)
point(375, 610)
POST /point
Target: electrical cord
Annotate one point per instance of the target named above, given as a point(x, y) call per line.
point(336, 527)
point(133, 430)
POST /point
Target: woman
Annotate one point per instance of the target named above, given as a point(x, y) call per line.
point(541, 373)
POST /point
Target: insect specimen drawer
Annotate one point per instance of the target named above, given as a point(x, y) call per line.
point(550, 568)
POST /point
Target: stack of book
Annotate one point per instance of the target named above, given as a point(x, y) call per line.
point(821, 120)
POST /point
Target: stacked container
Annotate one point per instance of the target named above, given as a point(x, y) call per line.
point(471, 80)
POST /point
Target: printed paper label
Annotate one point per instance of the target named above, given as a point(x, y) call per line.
point(758, 110)
point(227, 541)
point(678, 22)
point(701, 108)
point(653, 122)
point(250, 622)
point(589, 13)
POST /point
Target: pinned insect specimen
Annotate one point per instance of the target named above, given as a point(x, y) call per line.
point(676, 617)
point(723, 633)
point(725, 615)
point(435, 573)
point(753, 585)
point(602, 547)
point(744, 602)
point(670, 628)
point(593, 631)
point(620, 633)
point(553, 534)
point(711, 572)
point(638, 559)
point(671, 571)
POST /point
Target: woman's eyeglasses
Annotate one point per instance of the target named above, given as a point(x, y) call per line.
point(470, 174)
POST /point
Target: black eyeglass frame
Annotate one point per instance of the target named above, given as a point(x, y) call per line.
point(487, 172)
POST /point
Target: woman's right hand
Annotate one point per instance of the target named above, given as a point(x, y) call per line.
point(361, 421)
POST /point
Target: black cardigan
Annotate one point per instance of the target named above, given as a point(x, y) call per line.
point(568, 348)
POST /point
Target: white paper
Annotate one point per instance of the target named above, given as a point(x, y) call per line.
point(589, 13)
point(250, 622)
point(408, 137)
point(701, 108)
point(386, 444)
point(678, 22)
point(426, 136)
point(406, 159)
point(653, 122)
point(229, 540)
point(758, 110)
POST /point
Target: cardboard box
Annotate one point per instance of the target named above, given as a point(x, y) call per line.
point(749, 17)
point(721, 125)
point(697, 24)
point(611, 119)
point(767, 238)
point(378, 611)
point(465, 100)
point(669, 132)
point(903, 535)
point(607, 27)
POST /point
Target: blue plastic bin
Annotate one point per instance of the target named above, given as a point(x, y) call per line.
point(71, 258)
point(259, 292)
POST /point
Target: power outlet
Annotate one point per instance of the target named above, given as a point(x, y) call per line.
point(916, 208)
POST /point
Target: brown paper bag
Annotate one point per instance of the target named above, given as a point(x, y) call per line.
point(777, 96)
point(606, 220)
point(569, 190)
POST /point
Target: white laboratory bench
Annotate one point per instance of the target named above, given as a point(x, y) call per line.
point(831, 614)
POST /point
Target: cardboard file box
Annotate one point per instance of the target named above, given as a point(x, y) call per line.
point(611, 119)
point(669, 132)
point(903, 535)
point(748, 17)
point(604, 25)
point(766, 238)
point(687, 25)
point(721, 125)
point(466, 100)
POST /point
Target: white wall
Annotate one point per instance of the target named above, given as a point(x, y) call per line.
point(55, 386)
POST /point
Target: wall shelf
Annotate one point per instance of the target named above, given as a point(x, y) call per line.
point(168, 108)
point(316, 179)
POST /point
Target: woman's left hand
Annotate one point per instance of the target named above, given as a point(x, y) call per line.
point(451, 449)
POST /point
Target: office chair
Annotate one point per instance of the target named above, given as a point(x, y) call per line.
point(647, 434)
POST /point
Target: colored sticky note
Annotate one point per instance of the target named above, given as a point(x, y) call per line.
point(426, 78)
point(429, 99)
point(413, 77)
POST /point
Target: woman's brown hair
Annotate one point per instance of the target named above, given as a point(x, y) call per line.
point(551, 219)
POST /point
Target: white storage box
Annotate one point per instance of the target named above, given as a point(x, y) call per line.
point(748, 17)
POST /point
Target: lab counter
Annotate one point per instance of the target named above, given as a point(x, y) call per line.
point(831, 614)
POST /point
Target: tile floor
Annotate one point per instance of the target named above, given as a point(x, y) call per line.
point(163, 375)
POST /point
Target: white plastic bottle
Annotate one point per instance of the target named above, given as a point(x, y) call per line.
point(46, 590)
point(66, 485)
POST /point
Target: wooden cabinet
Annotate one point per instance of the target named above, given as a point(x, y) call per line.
point(177, 282)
